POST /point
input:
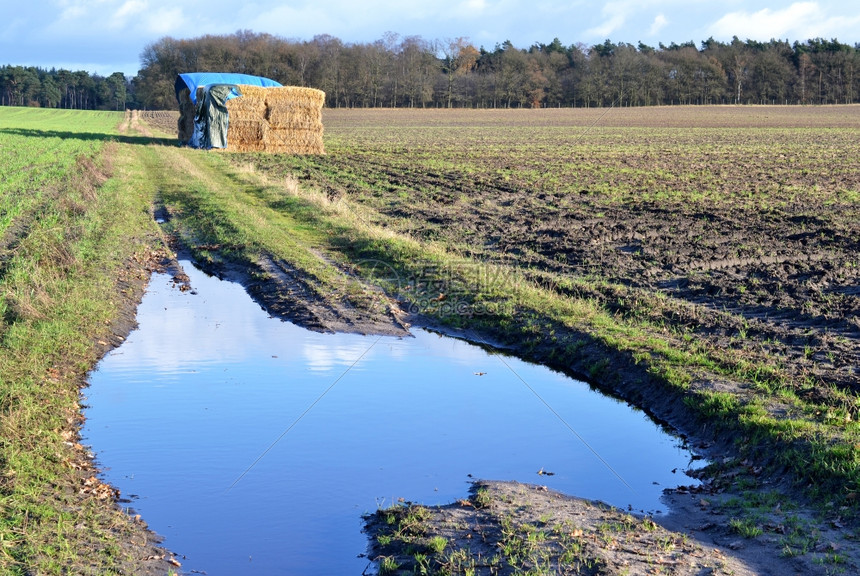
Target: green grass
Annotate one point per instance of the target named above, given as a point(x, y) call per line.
point(66, 243)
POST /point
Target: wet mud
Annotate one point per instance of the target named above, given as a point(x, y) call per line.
point(783, 281)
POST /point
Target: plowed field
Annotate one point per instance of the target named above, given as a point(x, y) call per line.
point(738, 226)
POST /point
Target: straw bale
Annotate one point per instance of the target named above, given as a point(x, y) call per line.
point(247, 135)
point(295, 141)
point(251, 105)
point(246, 109)
point(253, 92)
point(294, 116)
point(296, 96)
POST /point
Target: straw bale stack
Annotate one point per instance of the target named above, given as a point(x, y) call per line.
point(286, 120)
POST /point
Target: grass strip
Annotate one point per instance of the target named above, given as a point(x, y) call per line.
point(223, 213)
point(67, 275)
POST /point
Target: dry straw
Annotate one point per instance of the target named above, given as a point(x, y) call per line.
point(251, 106)
point(284, 120)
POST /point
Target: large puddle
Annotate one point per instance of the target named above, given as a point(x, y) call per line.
point(253, 445)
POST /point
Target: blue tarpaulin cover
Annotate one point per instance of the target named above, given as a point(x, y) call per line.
point(210, 116)
point(192, 80)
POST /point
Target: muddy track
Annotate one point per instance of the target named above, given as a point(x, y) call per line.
point(750, 253)
point(289, 294)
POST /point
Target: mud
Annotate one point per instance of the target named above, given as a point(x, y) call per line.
point(777, 282)
point(511, 528)
point(287, 293)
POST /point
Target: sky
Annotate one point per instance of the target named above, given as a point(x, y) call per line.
point(106, 36)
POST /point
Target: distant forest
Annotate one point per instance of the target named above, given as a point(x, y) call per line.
point(410, 71)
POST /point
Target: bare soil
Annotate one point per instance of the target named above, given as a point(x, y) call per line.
point(576, 536)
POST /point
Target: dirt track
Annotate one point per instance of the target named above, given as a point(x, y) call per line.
point(743, 239)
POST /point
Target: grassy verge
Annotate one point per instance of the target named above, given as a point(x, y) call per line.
point(224, 214)
point(71, 263)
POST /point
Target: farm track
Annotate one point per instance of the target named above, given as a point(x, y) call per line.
point(735, 242)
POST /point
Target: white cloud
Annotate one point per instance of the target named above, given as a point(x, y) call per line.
point(73, 12)
point(615, 15)
point(800, 20)
point(128, 10)
point(470, 8)
point(112, 22)
point(78, 9)
point(166, 21)
point(659, 23)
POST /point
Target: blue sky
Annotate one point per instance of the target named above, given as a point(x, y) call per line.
point(106, 36)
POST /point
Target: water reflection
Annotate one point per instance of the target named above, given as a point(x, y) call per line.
point(203, 416)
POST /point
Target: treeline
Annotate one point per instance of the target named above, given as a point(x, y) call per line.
point(413, 72)
point(29, 86)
